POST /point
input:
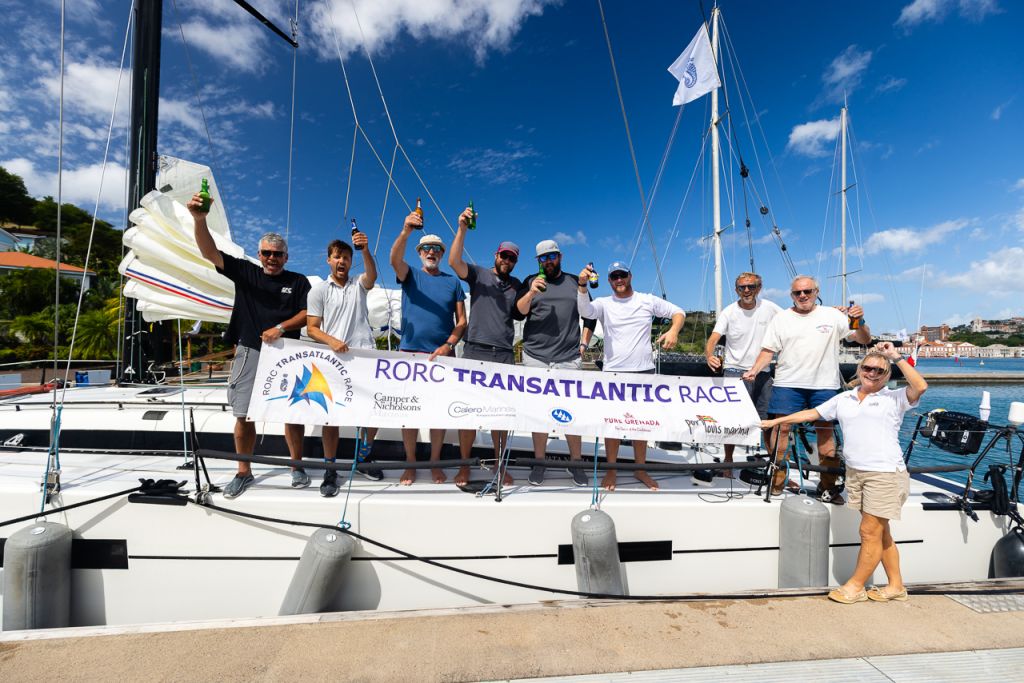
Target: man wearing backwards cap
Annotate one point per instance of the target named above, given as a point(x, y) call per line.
point(552, 338)
point(433, 320)
point(626, 317)
point(492, 294)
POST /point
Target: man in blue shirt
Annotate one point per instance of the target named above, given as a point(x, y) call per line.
point(433, 320)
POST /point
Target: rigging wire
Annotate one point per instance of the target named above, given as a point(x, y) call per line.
point(291, 129)
point(632, 150)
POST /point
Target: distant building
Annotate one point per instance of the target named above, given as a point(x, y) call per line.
point(939, 333)
point(16, 260)
point(1009, 326)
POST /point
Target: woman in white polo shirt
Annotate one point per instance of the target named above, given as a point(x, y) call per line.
point(877, 482)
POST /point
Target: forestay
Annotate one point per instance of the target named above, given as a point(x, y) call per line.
point(304, 383)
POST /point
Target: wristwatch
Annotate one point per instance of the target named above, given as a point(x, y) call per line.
point(280, 327)
point(450, 345)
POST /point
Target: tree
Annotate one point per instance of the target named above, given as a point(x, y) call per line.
point(35, 329)
point(97, 334)
point(16, 206)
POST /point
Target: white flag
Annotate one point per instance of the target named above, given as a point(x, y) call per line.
point(695, 70)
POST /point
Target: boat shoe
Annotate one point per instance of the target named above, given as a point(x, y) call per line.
point(839, 595)
point(879, 595)
point(579, 477)
point(363, 456)
point(300, 479)
point(329, 488)
point(238, 485)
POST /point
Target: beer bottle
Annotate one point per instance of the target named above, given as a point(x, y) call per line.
point(472, 219)
point(542, 277)
point(593, 276)
point(419, 208)
point(855, 323)
point(204, 195)
point(355, 228)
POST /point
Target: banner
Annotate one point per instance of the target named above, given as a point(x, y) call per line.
point(305, 383)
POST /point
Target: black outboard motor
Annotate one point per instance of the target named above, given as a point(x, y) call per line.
point(1008, 552)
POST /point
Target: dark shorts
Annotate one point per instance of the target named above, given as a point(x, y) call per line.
point(486, 352)
point(788, 400)
point(760, 389)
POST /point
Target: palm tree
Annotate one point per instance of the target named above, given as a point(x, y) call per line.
point(97, 335)
point(35, 329)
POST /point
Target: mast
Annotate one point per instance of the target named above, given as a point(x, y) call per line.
point(142, 144)
point(842, 129)
point(715, 162)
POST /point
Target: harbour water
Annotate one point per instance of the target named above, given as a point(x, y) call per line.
point(965, 399)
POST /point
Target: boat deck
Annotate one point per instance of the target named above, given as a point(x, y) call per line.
point(930, 638)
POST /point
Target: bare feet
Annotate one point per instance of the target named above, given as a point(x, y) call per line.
point(462, 476)
point(609, 480)
point(508, 480)
point(646, 480)
point(439, 475)
point(408, 477)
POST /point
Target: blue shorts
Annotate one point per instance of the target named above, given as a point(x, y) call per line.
point(788, 400)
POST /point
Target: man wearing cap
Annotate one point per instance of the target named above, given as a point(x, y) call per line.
point(492, 295)
point(552, 337)
point(626, 317)
point(433, 320)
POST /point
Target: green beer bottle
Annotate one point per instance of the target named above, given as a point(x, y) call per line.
point(204, 195)
point(472, 219)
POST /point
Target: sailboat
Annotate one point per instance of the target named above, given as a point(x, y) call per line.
point(172, 549)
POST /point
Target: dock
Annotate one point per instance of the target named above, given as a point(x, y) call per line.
point(941, 628)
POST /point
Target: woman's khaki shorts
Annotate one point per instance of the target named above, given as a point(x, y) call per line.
point(881, 494)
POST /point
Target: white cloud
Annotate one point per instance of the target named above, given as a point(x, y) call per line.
point(809, 138)
point(479, 24)
point(921, 11)
point(960, 319)
point(997, 113)
point(845, 72)
point(910, 239)
point(891, 84)
point(1019, 185)
point(90, 88)
point(565, 239)
point(237, 44)
point(998, 274)
point(495, 166)
point(79, 186)
point(863, 298)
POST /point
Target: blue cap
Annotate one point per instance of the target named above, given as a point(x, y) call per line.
point(618, 265)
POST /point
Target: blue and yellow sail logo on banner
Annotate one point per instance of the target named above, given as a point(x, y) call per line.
point(312, 387)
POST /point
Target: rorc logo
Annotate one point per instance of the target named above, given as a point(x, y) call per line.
point(562, 416)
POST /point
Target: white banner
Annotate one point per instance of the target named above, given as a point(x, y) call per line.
point(305, 383)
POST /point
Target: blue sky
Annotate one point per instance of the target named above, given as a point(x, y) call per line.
point(512, 103)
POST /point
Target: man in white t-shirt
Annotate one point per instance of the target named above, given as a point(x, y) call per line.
point(626, 317)
point(337, 316)
point(806, 338)
point(743, 324)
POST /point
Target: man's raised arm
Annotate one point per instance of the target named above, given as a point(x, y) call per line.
point(204, 240)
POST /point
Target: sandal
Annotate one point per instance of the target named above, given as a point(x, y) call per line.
point(879, 595)
point(838, 595)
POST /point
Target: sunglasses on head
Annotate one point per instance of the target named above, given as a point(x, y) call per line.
point(432, 247)
point(548, 257)
point(746, 287)
point(801, 292)
point(872, 370)
point(508, 256)
point(276, 253)
point(618, 275)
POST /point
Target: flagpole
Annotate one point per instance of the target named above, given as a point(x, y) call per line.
point(716, 200)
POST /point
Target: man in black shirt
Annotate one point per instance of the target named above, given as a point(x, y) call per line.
point(270, 303)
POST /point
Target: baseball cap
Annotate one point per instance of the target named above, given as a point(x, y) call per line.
point(508, 246)
point(618, 265)
point(430, 239)
point(547, 247)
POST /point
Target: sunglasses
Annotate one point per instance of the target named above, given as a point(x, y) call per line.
point(801, 292)
point(618, 275)
point(508, 256)
point(750, 287)
point(548, 257)
point(432, 248)
point(276, 253)
point(872, 370)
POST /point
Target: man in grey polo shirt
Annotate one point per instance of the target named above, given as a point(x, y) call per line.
point(338, 317)
point(492, 295)
point(552, 337)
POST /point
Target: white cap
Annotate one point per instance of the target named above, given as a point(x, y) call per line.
point(430, 239)
point(547, 247)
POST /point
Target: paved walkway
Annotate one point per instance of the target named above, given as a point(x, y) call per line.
point(559, 638)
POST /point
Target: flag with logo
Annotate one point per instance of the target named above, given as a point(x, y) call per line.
point(695, 70)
